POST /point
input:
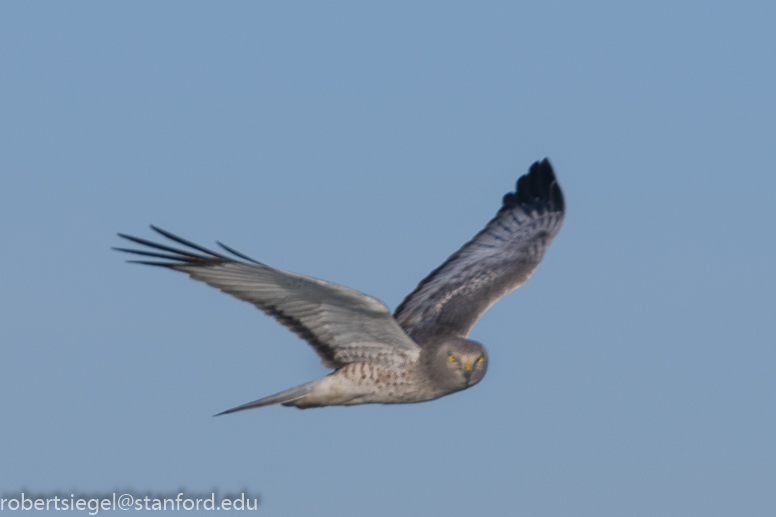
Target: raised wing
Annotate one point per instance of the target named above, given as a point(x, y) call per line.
point(496, 261)
point(342, 325)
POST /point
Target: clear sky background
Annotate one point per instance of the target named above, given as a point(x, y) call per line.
point(363, 143)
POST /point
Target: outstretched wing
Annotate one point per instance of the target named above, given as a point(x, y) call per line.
point(496, 261)
point(342, 325)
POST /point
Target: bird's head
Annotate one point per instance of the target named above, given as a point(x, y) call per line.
point(459, 363)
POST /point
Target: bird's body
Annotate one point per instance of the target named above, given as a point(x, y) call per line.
point(421, 353)
point(415, 380)
point(364, 383)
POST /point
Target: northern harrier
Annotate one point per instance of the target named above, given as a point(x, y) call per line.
point(421, 352)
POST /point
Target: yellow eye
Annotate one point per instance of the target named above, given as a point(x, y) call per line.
point(451, 358)
point(481, 359)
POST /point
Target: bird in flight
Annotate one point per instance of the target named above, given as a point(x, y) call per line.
point(420, 352)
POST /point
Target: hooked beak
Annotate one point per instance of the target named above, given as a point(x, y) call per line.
point(467, 370)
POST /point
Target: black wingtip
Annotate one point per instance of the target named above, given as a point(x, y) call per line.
point(152, 263)
point(150, 244)
point(538, 187)
point(181, 240)
point(177, 258)
point(239, 254)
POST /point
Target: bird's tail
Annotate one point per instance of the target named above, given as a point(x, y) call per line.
point(284, 397)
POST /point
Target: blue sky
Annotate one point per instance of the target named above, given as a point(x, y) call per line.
point(364, 143)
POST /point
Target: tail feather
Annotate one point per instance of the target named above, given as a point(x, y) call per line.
point(284, 397)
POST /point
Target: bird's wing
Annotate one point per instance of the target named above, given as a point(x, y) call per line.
point(342, 325)
point(496, 261)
